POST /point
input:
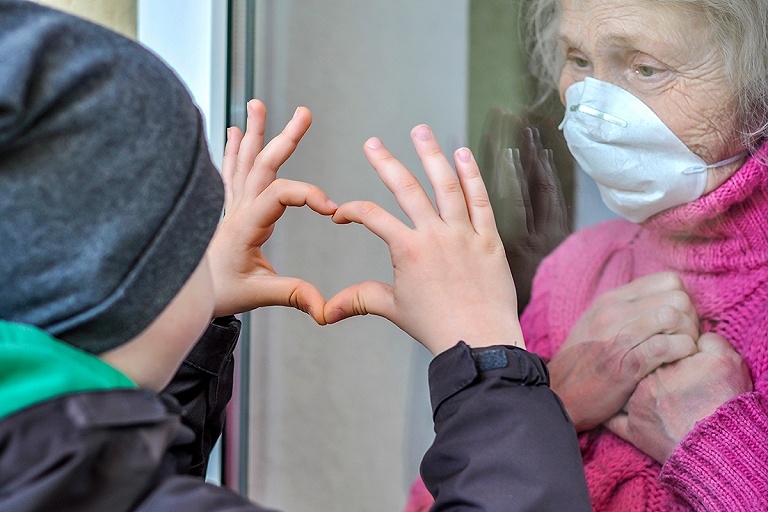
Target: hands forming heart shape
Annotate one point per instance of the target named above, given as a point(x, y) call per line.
point(451, 280)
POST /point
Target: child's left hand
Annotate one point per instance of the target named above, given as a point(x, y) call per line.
point(254, 200)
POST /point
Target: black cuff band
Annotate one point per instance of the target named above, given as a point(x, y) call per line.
point(461, 366)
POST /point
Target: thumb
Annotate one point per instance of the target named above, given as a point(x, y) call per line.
point(619, 425)
point(292, 292)
point(363, 298)
point(713, 343)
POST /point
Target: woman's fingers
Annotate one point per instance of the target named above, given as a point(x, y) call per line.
point(655, 351)
point(659, 314)
point(368, 297)
point(645, 286)
point(714, 344)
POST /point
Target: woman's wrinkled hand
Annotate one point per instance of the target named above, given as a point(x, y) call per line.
point(667, 404)
point(626, 334)
point(254, 200)
point(451, 278)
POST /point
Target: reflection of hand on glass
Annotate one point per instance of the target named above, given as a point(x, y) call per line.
point(526, 195)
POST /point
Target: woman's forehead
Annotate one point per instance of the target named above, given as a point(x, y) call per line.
point(630, 23)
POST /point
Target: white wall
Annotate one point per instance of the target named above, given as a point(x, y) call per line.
point(341, 414)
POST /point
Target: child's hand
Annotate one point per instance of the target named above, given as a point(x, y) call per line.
point(451, 278)
point(254, 200)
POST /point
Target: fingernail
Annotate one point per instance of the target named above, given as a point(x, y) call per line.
point(422, 132)
point(374, 143)
point(296, 112)
point(248, 109)
point(334, 316)
point(229, 133)
point(332, 205)
point(464, 154)
point(309, 310)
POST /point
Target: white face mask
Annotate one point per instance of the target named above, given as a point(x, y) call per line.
point(640, 166)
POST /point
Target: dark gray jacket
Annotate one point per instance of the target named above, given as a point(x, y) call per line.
point(503, 443)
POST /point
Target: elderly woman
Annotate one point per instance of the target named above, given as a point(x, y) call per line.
point(656, 327)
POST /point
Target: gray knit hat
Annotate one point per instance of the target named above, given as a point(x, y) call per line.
point(108, 196)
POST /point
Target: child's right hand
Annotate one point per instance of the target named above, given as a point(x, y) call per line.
point(243, 278)
point(451, 278)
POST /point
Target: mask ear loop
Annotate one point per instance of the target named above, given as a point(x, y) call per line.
point(699, 168)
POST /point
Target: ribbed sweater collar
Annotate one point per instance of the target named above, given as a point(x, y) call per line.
point(724, 230)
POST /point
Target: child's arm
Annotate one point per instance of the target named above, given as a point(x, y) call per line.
point(503, 440)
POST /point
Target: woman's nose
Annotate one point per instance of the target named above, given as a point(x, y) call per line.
point(606, 74)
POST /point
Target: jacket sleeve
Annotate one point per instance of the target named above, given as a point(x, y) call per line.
point(503, 440)
point(203, 387)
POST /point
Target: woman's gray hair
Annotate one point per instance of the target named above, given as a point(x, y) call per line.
point(740, 28)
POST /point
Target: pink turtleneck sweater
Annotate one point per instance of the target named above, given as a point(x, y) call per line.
point(718, 244)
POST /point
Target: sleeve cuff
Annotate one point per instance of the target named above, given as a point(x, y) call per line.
point(212, 351)
point(722, 464)
point(460, 366)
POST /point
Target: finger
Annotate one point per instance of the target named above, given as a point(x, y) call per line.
point(509, 209)
point(664, 313)
point(229, 163)
point(252, 143)
point(475, 193)
point(449, 196)
point(657, 350)
point(271, 204)
point(408, 192)
point(491, 144)
point(369, 297)
point(619, 425)
point(378, 220)
point(713, 343)
point(648, 285)
point(525, 196)
point(292, 292)
point(535, 176)
point(277, 152)
point(562, 216)
point(543, 180)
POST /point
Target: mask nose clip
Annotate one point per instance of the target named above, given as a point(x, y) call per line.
point(605, 116)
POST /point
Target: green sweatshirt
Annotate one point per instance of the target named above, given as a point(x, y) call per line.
point(34, 367)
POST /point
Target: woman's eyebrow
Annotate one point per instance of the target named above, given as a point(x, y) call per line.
point(614, 39)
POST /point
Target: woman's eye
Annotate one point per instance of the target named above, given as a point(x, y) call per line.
point(582, 63)
point(577, 61)
point(646, 70)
